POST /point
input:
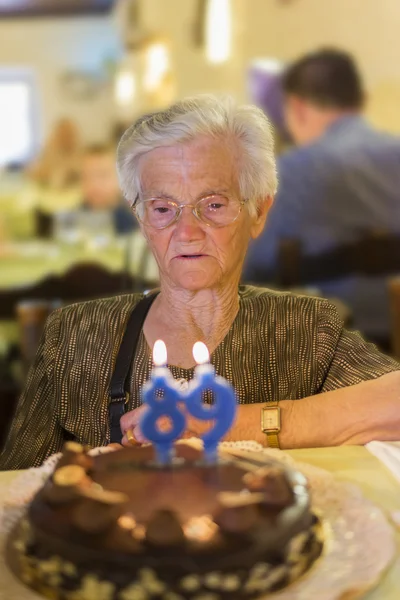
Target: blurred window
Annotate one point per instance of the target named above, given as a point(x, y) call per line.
point(16, 122)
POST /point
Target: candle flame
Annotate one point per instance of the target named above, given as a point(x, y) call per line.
point(200, 353)
point(159, 353)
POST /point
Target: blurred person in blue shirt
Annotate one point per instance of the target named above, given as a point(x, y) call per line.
point(100, 188)
point(340, 182)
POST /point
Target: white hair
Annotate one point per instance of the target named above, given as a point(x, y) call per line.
point(244, 126)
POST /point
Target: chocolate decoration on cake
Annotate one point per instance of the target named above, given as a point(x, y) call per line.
point(238, 512)
point(66, 484)
point(74, 454)
point(164, 529)
point(92, 517)
point(56, 494)
point(71, 476)
point(272, 482)
point(188, 529)
point(127, 522)
point(104, 497)
point(201, 529)
point(239, 499)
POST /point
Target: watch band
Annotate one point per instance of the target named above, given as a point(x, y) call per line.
point(271, 423)
point(272, 438)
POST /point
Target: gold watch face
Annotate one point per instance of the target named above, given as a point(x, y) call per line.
point(270, 419)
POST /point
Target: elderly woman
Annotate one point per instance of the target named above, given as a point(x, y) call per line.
point(200, 177)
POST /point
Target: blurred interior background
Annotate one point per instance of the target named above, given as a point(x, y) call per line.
point(75, 73)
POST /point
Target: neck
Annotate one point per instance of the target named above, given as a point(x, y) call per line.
point(203, 312)
point(181, 318)
point(329, 118)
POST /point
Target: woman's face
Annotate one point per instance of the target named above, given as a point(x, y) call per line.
point(190, 254)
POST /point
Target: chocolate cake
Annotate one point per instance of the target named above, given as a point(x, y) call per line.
point(120, 527)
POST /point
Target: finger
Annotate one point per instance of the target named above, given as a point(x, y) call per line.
point(128, 442)
point(131, 419)
point(125, 442)
point(139, 435)
point(133, 437)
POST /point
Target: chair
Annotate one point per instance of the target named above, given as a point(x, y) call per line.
point(44, 224)
point(33, 304)
point(9, 393)
point(46, 289)
point(377, 253)
point(394, 298)
point(85, 281)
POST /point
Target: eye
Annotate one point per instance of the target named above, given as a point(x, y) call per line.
point(162, 207)
point(216, 203)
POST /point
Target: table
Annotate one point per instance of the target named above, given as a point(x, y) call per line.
point(354, 464)
point(23, 264)
point(26, 263)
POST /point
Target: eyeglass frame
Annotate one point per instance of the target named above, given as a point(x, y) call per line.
point(180, 208)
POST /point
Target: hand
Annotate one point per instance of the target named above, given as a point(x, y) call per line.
point(130, 421)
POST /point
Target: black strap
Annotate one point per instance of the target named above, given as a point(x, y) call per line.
point(119, 386)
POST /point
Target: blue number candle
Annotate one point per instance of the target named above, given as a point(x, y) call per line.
point(222, 412)
point(161, 395)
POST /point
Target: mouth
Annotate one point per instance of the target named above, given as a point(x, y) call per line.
point(191, 256)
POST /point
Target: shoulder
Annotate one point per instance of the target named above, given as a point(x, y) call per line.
point(88, 333)
point(261, 295)
point(297, 158)
point(295, 174)
point(290, 306)
point(104, 312)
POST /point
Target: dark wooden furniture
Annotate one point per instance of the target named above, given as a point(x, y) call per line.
point(9, 393)
point(394, 295)
point(85, 281)
point(377, 253)
point(32, 305)
point(44, 224)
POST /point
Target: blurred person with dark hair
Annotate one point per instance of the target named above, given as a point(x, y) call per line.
point(100, 187)
point(59, 163)
point(340, 183)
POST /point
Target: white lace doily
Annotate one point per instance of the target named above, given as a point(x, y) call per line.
point(359, 546)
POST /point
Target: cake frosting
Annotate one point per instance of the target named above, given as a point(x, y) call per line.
point(119, 526)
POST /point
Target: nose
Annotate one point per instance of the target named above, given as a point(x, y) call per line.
point(188, 228)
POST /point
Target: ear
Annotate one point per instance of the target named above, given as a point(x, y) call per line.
point(259, 220)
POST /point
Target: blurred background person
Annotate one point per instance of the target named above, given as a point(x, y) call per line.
point(340, 183)
point(100, 188)
point(59, 163)
point(266, 91)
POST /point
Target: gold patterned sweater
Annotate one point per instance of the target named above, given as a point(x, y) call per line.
point(280, 346)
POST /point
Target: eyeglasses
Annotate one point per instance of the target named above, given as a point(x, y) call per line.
point(215, 210)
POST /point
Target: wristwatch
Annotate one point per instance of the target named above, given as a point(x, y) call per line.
point(271, 423)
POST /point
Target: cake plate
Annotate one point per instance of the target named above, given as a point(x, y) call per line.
point(359, 542)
